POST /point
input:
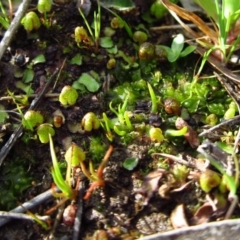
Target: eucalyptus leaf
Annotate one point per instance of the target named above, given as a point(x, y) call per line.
point(89, 82)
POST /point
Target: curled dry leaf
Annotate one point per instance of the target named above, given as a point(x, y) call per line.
point(191, 136)
point(189, 16)
point(178, 218)
point(150, 184)
point(203, 214)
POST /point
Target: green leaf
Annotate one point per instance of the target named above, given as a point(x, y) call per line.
point(106, 42)
point(187, 51)
point(39, 59)
point(89, 82)
point(118, 4)
point(172, 56)
point(3, 114)
point(177, 44)
point(130, 163)
point(24, 87)
point(77, 59)
point(209, 7)
point(113, 50)
point(43, 132)
point(28, 75)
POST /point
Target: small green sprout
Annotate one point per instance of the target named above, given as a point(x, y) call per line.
point(31, 119)
point(180, 173)
point(43, 132)
point(124, 124)
point(211, 119)
point(97, 26)
point(154, 108)
point(67, 191)
point(176, 51)
point(74, 157)
point(231, 181)
point(156, 134)
point(31, 22)
point(4, 19)
point(107, 126)
point(111, 63)
point(230, 113)
point(81, 36)
point(68, 96)
point(116, 23)
point(90, 121)
point(176, 133)
point(208, 180)
point(140, 37)
point(44, 6)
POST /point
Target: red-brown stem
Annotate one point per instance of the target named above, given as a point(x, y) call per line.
point(104, 161)
point(91, 188)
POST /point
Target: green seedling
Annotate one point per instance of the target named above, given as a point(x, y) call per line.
point(140, 37)
point(68, 96)
point(98, 176)
point(209, 180)
point(75, 157)
point(90, 122)
point(31, 119)
point(154, 108)
point(43, 132)
point(107, 126)
point(116, 23)
point(176, 133)
point(231, 181)
point(123, 125)
point(31, 22)
point(96, 25)
point(4, 19)
point(43, 7)
point(223, 38)
point(158, 10)
point(180, 173)
point(176, 51)
point(211, 119)
point(231, 111)
point(81, 36)
point(67, 191)
point(121, 22)
point(156, 134)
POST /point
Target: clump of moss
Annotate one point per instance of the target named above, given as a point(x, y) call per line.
point(97, 149)
point(15, 179)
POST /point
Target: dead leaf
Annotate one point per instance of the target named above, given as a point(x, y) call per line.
point(178, 218)
point(191, 136)
point(189, 16)
point(150, 184)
